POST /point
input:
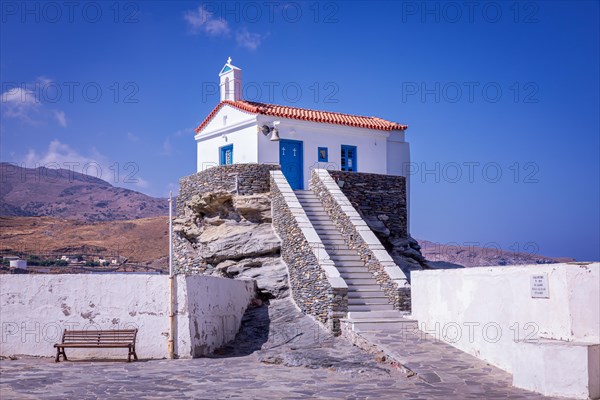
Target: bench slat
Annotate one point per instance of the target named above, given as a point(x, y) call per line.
point(107, 330)
point(91, 345)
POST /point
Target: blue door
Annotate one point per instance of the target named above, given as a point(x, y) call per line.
point(348, 161)
point(290, 159)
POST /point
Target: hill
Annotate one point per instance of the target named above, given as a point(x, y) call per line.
point(451, 255)
point(141, 241)
point(65, 194)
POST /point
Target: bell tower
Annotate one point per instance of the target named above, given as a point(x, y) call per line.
point(230, 82)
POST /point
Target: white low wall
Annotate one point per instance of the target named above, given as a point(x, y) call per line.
point(490, 312)
point(35, 309)
point(210, 311)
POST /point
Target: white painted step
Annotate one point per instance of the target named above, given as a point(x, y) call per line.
point(360, 281)
point(337, 249)
point(335, 242)
point(341, 251)
point(346, 257)
point(363, 294)
point(330, 235)
point(365, 289)
point(376, 314)
point(366, 301)
point(327, 229)
point(370, 308)
point(351, 265)
point(384, 324)
point(356, 275)
point(354, 270)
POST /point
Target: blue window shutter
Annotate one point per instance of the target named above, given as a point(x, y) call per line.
point(323, 155)
point(226, 157)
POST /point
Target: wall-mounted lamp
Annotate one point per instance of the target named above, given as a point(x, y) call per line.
point(265, 130)
point(224, 137)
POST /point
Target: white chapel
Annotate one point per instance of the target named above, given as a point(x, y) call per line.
point(299, 139)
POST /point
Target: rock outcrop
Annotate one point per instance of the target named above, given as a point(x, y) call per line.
point(228, 235)
point(405, 251)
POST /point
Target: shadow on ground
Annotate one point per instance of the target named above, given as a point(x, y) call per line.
point(279, 333)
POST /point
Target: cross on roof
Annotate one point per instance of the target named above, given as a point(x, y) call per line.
point(228, 60)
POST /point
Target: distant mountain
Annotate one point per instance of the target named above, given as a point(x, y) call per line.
point(441, 255)
point(61, 193)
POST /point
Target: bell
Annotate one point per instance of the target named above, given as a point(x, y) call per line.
point(275, 135)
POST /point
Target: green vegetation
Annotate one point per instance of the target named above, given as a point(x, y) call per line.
point(92, 264)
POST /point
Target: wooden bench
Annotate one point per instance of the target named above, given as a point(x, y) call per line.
point(97, 339)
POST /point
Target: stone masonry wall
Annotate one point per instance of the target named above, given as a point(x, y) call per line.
point(252, 179)
point(315, 287)
point(377, 197)
point(359, 236)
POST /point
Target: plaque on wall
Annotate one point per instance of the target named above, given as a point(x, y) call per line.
point(539, 286)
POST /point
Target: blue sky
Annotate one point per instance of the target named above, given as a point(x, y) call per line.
point(501, 98)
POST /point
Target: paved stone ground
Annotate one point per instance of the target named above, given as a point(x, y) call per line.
point(442, 367)
point(279, 353)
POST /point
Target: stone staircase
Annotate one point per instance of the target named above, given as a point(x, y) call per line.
point(368, 306)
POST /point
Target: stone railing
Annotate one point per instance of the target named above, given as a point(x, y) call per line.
point(359, 236)
point(317, 287)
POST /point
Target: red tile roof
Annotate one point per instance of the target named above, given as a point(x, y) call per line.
point(305, 114)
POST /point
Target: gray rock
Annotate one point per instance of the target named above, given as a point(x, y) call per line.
point(235, 241)
point(377, 226)
point(255, 208)
point(270, 274)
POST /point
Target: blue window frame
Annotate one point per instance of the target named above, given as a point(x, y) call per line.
point(323, 154)
point(348, 159)
point(226, 157)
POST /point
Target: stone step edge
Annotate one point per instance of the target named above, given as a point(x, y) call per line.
point(381, 353)
point(377, 320)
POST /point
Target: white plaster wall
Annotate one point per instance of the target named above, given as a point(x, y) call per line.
point(487, 311)
point(213, 313)
point(583, 290)
point(35, 309)
point(371, 145)
point(239, 129)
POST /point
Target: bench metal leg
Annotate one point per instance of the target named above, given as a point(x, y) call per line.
point(60, 351)
point(132, 353)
